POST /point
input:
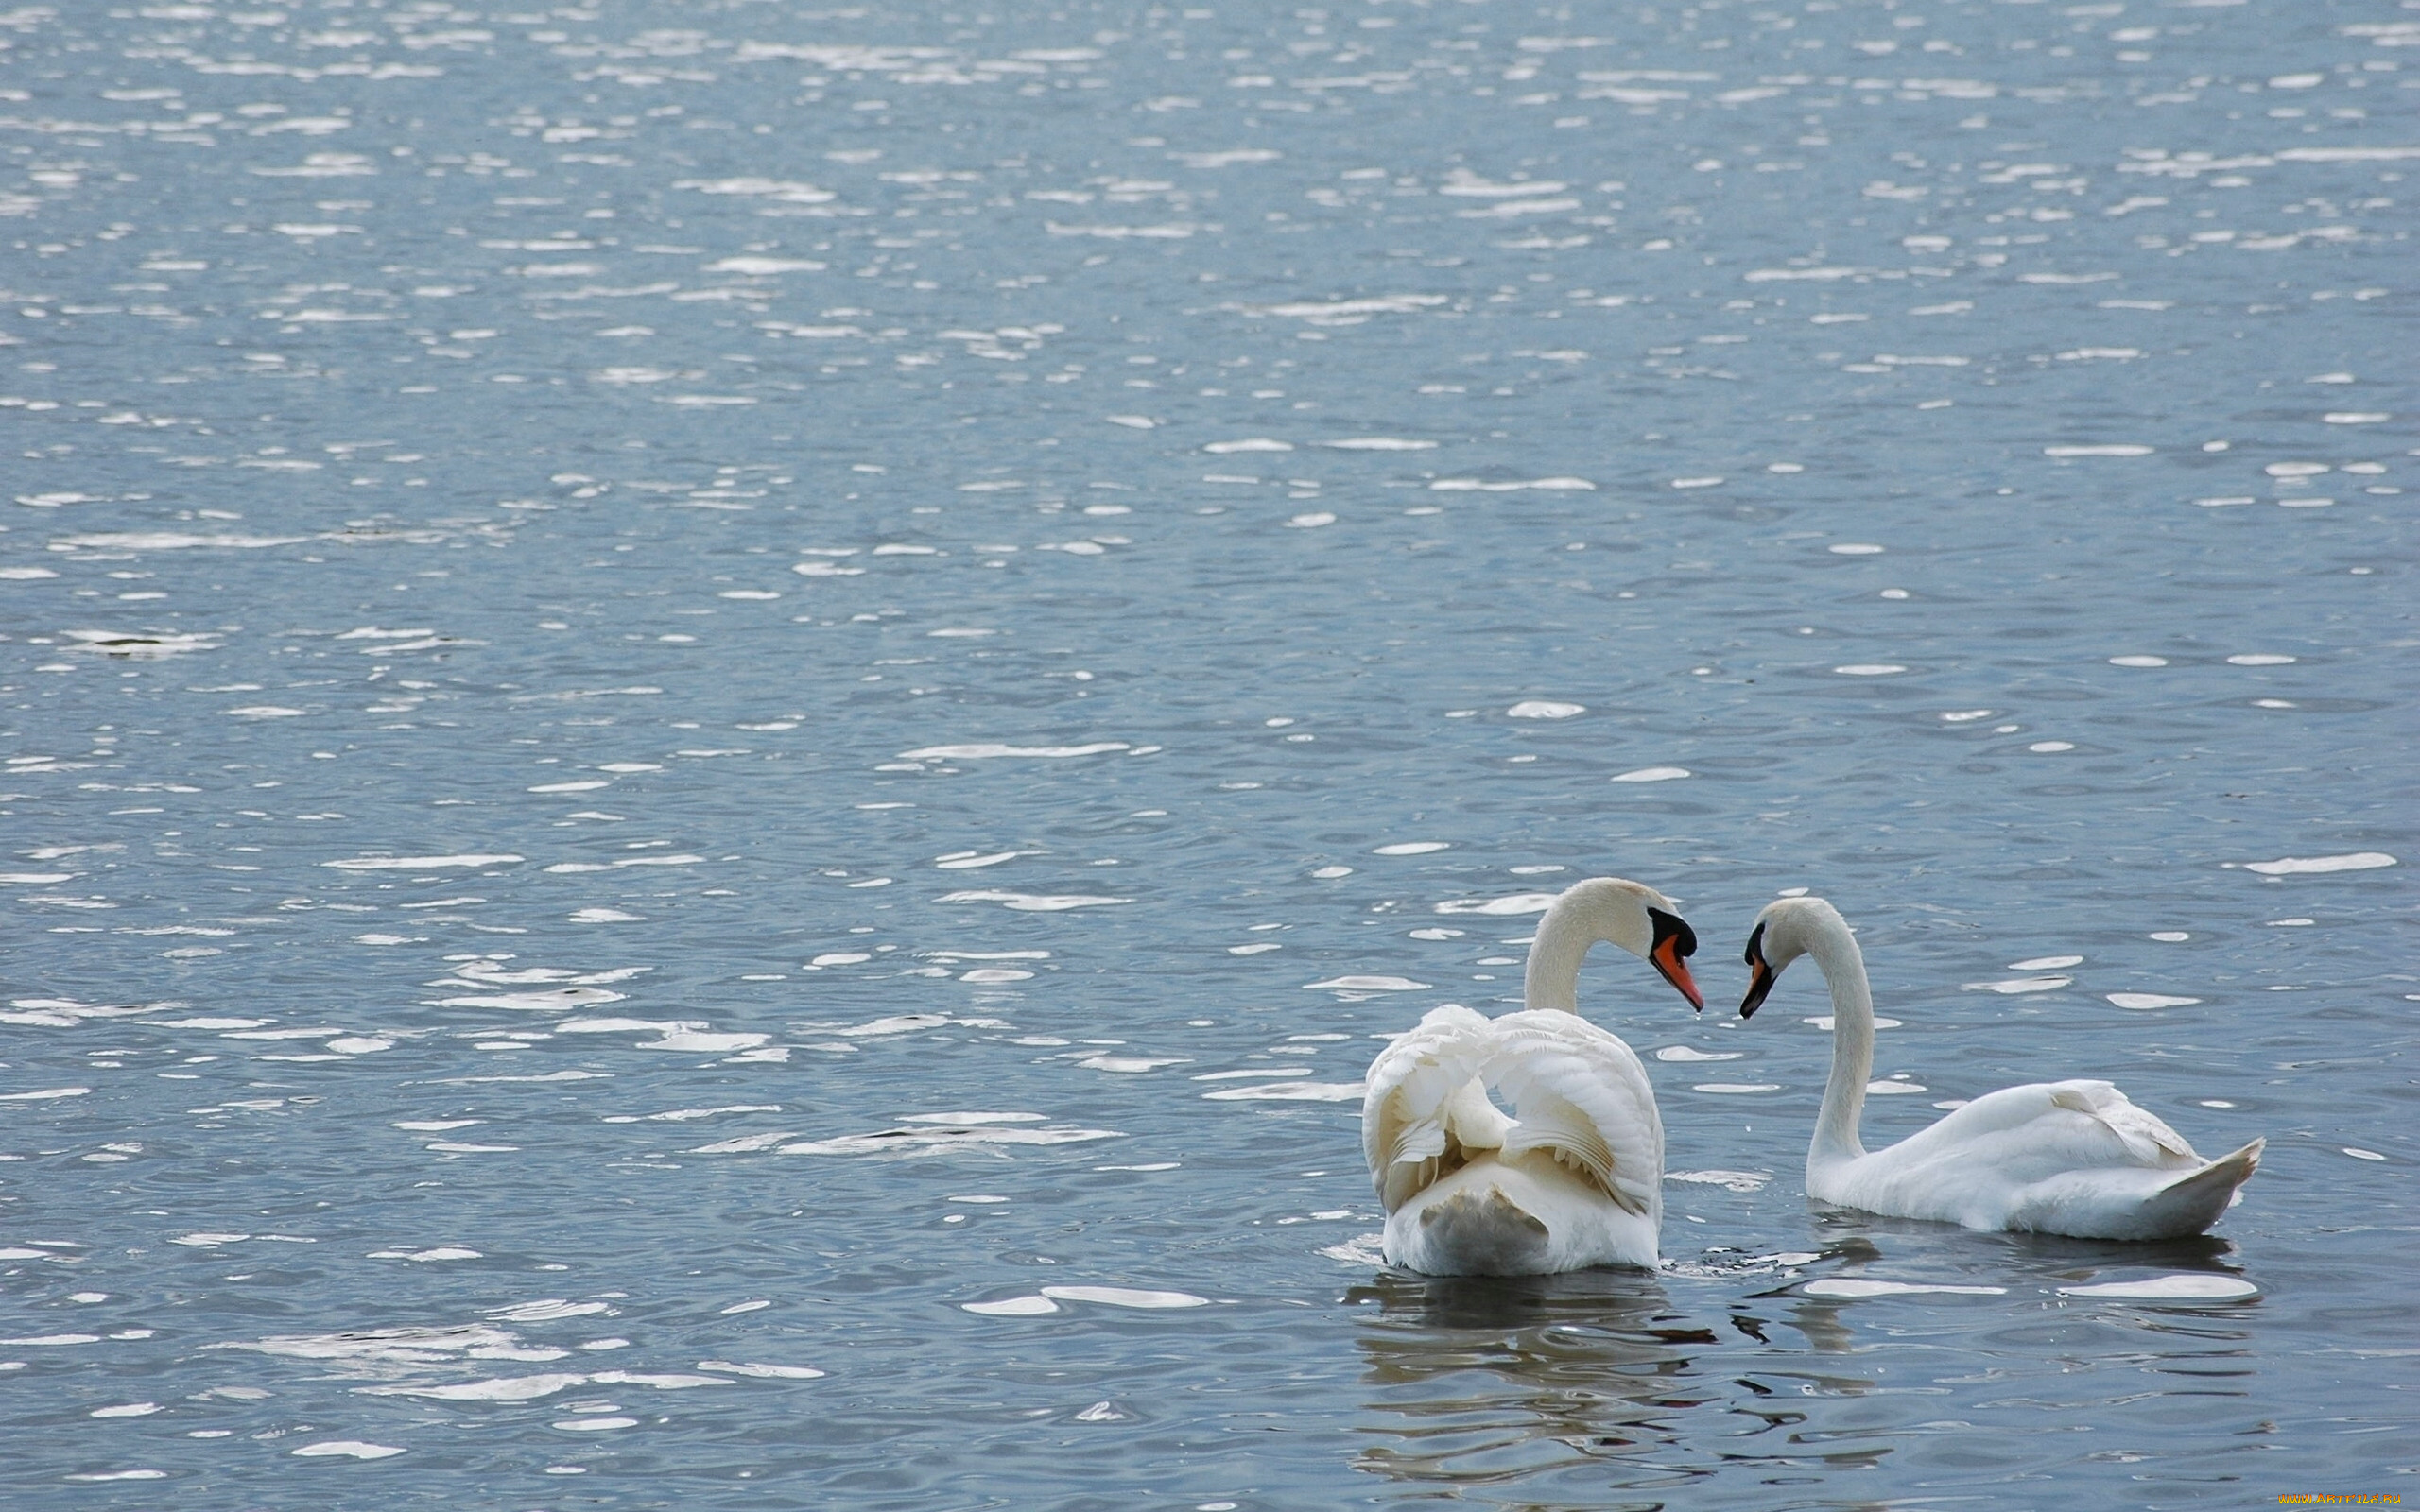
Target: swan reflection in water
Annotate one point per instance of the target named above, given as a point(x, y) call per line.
point(1595, 1388)
point(1494, 1379)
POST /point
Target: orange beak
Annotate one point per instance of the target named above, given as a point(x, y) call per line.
point(1760, 975)
point(1665, 957)
point(1760, 982)
point(1674, 943)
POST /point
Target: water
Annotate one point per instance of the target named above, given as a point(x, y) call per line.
point(691, 687)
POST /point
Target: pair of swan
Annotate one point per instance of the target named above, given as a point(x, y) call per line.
point(1573, 1176)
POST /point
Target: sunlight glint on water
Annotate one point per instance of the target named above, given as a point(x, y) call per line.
point(729, 728)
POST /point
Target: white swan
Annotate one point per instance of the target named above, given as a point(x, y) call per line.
point(1574, 1176)
point(2056, 1157)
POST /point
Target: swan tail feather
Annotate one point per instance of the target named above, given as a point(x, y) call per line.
point(2195, 1201)
point(1471, 1231)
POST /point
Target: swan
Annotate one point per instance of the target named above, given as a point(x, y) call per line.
point(1575, 1176)
point(2056, 1157)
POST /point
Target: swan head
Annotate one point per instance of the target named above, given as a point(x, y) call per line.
point(1636, 917)
point(1787, 930)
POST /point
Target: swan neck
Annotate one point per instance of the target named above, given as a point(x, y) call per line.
point(1843, 964)
point(1570, 927)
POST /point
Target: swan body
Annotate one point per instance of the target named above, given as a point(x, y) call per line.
point(2061, 1158)
point(1573, 1176)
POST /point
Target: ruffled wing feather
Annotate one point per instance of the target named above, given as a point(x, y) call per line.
point(1581, 1095)
point(1425, 1104)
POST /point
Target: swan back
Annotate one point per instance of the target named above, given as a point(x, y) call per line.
point(2068, 1158)
point(1572, 1176)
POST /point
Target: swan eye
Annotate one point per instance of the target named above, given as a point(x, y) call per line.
point(1756, 950)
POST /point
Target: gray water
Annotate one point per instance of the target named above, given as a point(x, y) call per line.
point(729, 726)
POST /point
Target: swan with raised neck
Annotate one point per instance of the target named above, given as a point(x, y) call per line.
point(2065, 1158)
point(1573, 1176)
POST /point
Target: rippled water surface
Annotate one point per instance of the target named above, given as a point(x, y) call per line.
point(728, 725)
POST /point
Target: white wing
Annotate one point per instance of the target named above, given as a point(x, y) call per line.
point(2148, 1139)
point(2029, 1133)
point(1425, 1106)
point(1581, 1095)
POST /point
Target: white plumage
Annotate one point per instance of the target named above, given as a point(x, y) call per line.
point(1573, 1175)
point(1571, 1178)
point(2063, 1158)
